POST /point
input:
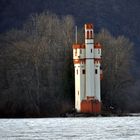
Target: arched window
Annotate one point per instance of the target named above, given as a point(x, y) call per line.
point(75, 52)
point(91, 50)
point(87, 34)
point(91, 35)
point(83, 71)
point(96, 71)
point(77, 72)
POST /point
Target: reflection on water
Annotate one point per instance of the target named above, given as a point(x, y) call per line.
point(100, 128)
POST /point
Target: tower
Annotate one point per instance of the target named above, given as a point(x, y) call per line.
point(87, 59)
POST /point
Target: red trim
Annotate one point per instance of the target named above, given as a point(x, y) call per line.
point(79, 61)
point(78, 46)
point(90, 97)
point(89, 26)
point(96, 60)
point(83, 46)
point(97, 46)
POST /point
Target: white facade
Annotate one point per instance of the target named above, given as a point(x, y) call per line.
point(80, 85)
point(97, 81)
point(97, 53)
point(87, 68)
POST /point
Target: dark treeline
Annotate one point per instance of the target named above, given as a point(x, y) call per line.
point(36, 69)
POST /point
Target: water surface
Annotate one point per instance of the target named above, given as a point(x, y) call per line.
point(97, 128)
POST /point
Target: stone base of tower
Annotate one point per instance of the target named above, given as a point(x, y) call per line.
point(90, 105)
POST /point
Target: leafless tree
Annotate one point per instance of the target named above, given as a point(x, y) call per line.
point(39, 61)
point(117, 60)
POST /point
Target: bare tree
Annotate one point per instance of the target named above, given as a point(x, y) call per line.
point(117, 58)
point(39, 61)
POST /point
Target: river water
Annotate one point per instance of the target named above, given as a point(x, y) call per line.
point(92, 128)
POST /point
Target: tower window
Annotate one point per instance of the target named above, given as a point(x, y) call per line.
point(77, 71)
point(78, 92)
point(75, 52)
point(91, 50)
point(83, 71)
point(96, 71)
point(91, 34)
point(80, 51)
point(87, 34)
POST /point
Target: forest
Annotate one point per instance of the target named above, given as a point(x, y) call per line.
point(37, 74)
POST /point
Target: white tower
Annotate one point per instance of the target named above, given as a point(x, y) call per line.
point(89, 57)
point(87, 60)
